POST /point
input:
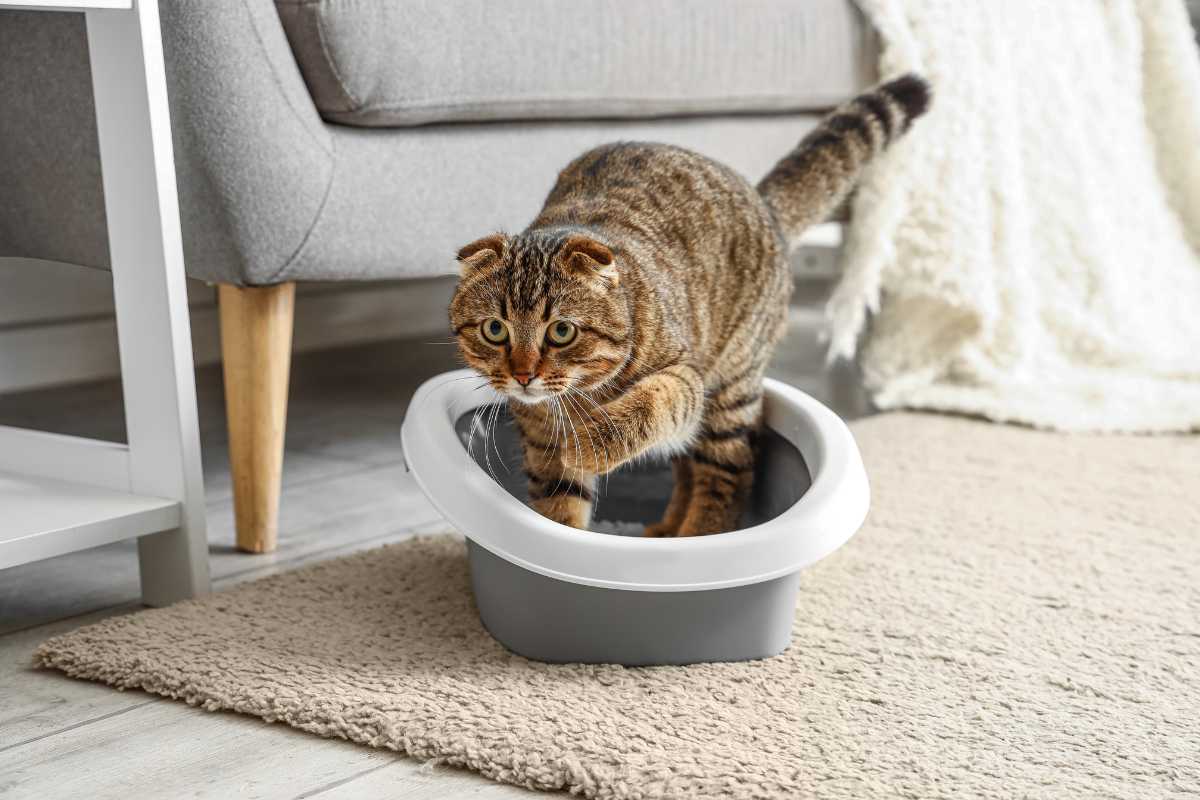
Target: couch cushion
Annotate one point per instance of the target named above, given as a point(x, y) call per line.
point(411, 62)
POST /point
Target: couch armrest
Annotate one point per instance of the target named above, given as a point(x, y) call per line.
point(253, 160)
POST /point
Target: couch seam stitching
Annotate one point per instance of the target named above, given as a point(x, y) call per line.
point(299, 251)
point(279, 86)
point(329, 150)
point(355, 103)
point(820, 102)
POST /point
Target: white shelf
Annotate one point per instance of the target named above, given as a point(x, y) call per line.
point(64, 5)
point(59, 494)
point(827, 234)
point(42, 518)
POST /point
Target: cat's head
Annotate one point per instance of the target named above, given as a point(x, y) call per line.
point(541, 314)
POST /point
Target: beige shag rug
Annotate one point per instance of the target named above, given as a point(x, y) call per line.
point(1020, 617)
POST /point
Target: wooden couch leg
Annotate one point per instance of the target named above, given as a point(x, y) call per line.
point(256, 351)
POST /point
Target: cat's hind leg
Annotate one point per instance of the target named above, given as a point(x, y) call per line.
point(681, 497)
point(723, 458)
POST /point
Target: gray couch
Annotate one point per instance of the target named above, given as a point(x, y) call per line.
point(336, 140)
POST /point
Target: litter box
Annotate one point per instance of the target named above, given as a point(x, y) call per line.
point(554, 593)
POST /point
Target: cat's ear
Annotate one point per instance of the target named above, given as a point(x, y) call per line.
point(585, 256)
point(481, 251)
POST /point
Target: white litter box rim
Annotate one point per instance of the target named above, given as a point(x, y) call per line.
point(821, 521)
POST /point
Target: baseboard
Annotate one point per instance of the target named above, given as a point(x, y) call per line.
point(60, 351)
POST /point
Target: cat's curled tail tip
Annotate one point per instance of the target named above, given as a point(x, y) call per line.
point(911, 92)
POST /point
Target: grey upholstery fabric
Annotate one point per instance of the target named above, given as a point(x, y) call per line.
point(51, 202)
point(253, 159)
point(435, 189)
point(270, 192)
point(421, 61)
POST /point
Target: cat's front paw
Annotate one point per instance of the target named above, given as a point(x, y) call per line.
point(592, 455)
point(569, 510)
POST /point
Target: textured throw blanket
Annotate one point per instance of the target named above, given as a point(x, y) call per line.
point(1031, 252)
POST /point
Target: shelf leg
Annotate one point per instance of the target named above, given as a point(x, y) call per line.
point(146, 251)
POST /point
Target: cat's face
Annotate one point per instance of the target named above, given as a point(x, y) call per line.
point(540, 315)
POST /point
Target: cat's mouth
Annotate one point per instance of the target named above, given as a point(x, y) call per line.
point(531, 394)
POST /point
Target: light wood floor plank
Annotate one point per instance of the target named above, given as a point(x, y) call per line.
point(411, 780)
point(165, 749)
point(298, 468)
point(40, 703)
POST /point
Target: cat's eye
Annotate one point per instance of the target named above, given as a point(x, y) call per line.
point(560, 333)
point(494, 330)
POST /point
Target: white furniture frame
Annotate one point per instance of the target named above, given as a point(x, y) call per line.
point(59, 493)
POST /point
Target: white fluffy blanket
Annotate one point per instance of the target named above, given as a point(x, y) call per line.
point(1032, 251)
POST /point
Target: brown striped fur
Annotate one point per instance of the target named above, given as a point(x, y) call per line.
point(671, 270)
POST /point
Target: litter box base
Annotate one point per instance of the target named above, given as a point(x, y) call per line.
point(557, 621)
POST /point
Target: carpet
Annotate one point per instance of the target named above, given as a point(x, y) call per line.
point(1020, 617)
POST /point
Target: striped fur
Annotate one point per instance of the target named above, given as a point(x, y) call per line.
point(807, 185)
point(672, 272)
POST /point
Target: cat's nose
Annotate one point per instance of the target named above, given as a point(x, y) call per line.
point(523, 378)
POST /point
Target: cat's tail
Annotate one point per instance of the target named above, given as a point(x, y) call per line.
point(812, 181)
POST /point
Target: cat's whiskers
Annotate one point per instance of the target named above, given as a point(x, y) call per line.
point(484, 411)
point(618, 437)
point(495, 421)
point(570, 401)
point(548, 454)
point(612, 426)
point(608, 420)
point(480, 419)
point(488, 411)
point(562, 472)
point(588, 431)
point(575, 433)
point(574, 428)
point(471, 434)
point(490, 439)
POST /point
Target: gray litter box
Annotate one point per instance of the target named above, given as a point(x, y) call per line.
point(554, 593)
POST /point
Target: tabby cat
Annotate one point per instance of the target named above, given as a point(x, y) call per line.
point(637, 313)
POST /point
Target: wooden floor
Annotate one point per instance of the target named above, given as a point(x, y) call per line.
point(345, 489)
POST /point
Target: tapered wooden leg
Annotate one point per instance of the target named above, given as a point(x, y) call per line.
point(256, 350)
